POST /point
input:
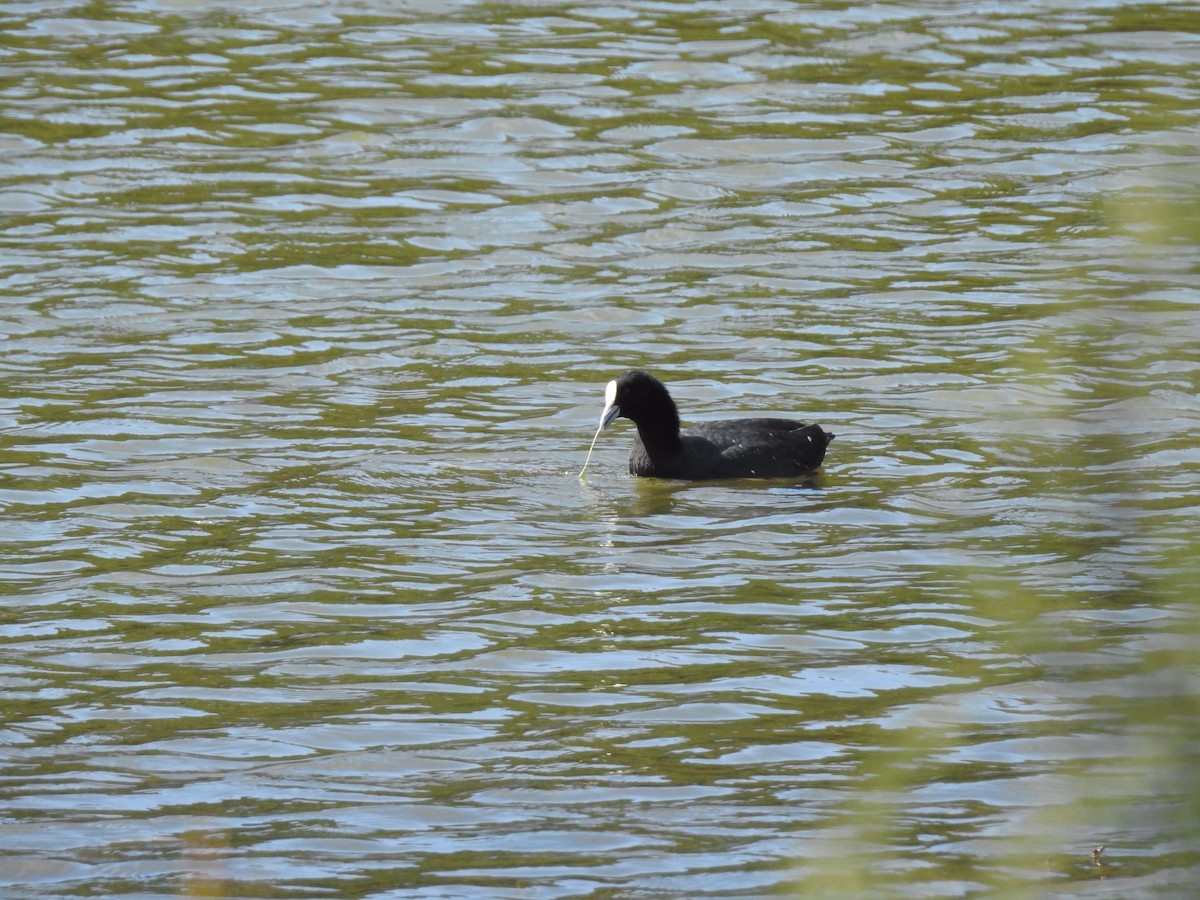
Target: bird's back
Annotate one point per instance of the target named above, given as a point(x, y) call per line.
point(738, 448)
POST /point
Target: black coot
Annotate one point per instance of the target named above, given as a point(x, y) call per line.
point(732, 448)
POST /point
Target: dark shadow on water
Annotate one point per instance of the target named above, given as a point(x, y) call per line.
point(628, 496)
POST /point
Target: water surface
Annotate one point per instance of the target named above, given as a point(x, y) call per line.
point(308, 312)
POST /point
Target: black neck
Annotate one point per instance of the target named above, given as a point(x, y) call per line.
point(661, 437)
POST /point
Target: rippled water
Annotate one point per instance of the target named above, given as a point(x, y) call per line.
point(308, 312)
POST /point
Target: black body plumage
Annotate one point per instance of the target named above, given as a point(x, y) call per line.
point(731, 448)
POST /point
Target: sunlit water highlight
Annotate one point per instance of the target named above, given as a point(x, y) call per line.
point(309, 311)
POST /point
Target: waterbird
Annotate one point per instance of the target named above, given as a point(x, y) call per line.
point(730, 448)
